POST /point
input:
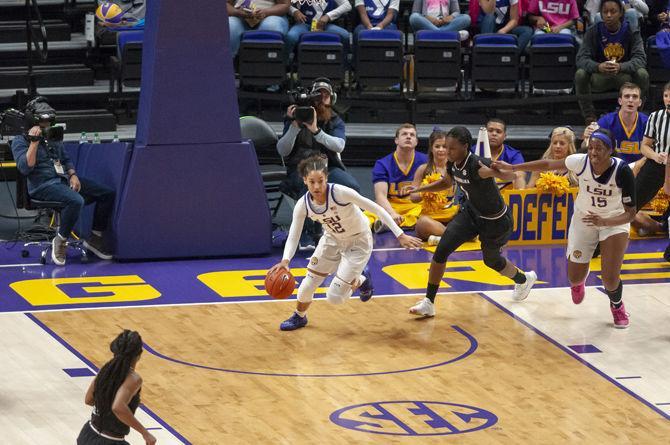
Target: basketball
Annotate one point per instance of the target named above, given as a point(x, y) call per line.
point(109, 12)
point(279, 284)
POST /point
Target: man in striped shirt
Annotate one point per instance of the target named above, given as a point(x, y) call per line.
point(655, 147)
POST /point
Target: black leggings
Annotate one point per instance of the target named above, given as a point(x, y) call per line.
point(648, 182)
point(493, 235)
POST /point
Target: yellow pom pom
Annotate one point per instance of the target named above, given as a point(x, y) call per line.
point(433, 202)
point(660, 202)
point(550, 182)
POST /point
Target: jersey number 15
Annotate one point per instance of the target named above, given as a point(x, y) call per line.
point(598, 201)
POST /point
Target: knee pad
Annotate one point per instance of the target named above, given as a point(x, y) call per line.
point(308, 286)
point(338, 291)
point(494, 260)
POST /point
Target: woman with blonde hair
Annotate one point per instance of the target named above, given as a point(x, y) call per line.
point(561, 146)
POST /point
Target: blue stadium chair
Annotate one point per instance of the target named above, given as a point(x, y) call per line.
point(495, 62)
point(658, 73)
point(552, 62)
point(320, 54)
point(127, 64)
point(262, 59)
point(380, 59)
point(437, 60)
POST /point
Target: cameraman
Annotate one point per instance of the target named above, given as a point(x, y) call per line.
point(324, 133)
point(52, 177)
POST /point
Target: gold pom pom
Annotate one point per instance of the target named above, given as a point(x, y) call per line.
point(660, 202)
point(550, 182)
point(433, 202)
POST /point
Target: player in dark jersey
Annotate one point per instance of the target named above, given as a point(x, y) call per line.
point(115, 395)
point(483, 212)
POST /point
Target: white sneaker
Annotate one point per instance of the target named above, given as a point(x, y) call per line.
point(463, 35)
point(521, 291)
point(424, 308)
point(433, 240)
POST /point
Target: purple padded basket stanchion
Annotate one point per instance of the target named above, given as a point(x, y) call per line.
point(192, 188)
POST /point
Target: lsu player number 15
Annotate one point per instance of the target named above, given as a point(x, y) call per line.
point(604, 208)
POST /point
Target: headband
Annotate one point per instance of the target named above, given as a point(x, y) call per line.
point(602, 137)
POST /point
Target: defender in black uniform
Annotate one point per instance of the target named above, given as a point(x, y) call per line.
point(482, 213)
point(115, 395)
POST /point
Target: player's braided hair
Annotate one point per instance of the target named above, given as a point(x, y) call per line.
point(315, 162)
point(127, 346)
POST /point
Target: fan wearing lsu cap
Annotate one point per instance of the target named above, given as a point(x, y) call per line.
point(604, 208)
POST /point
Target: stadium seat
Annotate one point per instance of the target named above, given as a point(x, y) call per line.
point(659, 74)
point(552, 63)
point(320, 54)
point(495, 62)
point(127, 64)
point(262, 59)
point(379, 59)
point(437, 60)
point(264, 139)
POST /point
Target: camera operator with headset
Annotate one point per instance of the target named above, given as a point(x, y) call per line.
point(312, 126)
point(40, 156)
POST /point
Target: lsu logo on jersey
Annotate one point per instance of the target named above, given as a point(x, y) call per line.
point(555, 8)
point(629, 147)
point(614, 51)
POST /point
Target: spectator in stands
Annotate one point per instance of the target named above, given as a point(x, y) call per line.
point(502, 17)
point(610, 55)
point(437, 208)
point(497, 132)
point(262, 15)
point(659, 16)
point(51, 177)
point(376, 15)
point(627, 126)
point(439, 15)
point(310, 16)
point(634, 11)
point(393, 172)
point(561, 146)
point(557, 16)
point(325, 133)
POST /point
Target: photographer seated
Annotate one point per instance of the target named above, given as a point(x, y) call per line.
point(51, 176)
point(311, 126)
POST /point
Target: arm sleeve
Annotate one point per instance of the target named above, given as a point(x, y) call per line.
point(575, 162)
point(287, 141)
point(299, 215)
point(454, 8)
point(334, 141)
point(379, 172)
point(517, 158)
point(638, 58)
point(292, 9)
point(67, 162)
point(343, 7)
point(626, 181)
point(359, 3)
point(19, 150)
point(349, 195)
point(574, 10)
point(586, 54)
point(650, 128)
point(395, 5)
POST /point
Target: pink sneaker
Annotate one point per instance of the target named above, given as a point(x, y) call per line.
point(578, 292)
point(620, 317)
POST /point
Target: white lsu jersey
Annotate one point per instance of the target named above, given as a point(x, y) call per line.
point(339, 217)
point(602, 195)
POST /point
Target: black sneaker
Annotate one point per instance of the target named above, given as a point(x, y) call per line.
point(96, 245)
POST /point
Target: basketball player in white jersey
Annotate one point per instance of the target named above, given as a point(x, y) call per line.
point(346, 245)
point(604, 208)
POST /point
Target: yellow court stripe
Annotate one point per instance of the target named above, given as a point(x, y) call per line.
point(635, 266)
point(644, 276)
